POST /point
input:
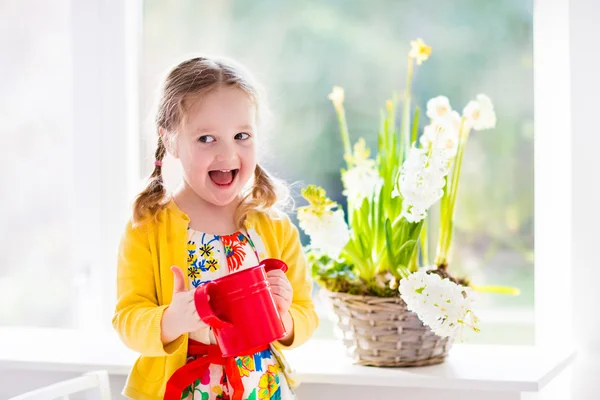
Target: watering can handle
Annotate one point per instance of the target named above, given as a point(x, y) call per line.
point(271, 264)
point(205, 311)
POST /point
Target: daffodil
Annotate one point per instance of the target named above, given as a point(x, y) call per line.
point(480, 113)
point(442, 133)
point(438, 107)
point(419, 51)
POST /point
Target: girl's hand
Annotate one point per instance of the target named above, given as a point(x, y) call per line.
point(281, 289)
point(181, 315)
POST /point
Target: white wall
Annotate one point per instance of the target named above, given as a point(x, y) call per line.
point(585, 111)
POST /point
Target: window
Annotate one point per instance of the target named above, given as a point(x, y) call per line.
point(61, 154)
point(68, 163)
point(300, 49)
point(37, 279)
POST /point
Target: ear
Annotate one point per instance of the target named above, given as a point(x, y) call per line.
point(169, 142)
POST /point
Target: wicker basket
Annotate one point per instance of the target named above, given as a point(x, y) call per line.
point(381, 332)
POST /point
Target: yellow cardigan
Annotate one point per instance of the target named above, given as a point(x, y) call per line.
point(145, 288)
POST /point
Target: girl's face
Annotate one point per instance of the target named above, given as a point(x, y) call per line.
point(216, 145)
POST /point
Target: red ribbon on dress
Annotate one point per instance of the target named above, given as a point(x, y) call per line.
point(206, 354)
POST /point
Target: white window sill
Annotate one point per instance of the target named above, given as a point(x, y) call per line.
point(469, 367)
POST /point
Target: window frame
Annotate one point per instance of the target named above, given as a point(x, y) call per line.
point(105, 40)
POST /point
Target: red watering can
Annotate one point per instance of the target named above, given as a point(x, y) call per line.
point(241, 310)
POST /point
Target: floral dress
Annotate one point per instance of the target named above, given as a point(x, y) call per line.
point(261, 374)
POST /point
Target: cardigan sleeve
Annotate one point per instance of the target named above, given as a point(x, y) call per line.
point(302, 309)
point(137, 317)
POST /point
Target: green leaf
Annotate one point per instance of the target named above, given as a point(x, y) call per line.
point(389, 242)
point(379, 223)
point(415, 125)
point(363, 244)
point(383, 264)
point(405, 251)
point(401, 229)
point(361, 222)
point(368, 271)
point(449, 200)
point(353, 254)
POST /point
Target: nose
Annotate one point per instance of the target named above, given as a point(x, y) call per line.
point(226, 151)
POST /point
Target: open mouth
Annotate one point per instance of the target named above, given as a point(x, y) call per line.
point(223, 177)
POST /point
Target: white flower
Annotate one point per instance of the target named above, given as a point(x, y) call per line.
point(480, 113)
point(442, 133)
point(362, 180)
point(324, 222)
point(440, 304)
point(438, 107)
point(414, 214)
point(421, 181)
point(328, 232)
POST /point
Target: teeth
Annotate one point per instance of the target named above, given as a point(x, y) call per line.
point(225, 170)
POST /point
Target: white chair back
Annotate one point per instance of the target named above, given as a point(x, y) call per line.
point(97, 380)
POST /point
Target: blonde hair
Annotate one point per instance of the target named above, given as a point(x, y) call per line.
point(184, 84)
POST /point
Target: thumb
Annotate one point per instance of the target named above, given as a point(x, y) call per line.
point(178, 280)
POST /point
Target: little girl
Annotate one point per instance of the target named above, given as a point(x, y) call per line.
point(220, 220)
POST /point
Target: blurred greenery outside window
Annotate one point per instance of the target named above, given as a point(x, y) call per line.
point(299, 50)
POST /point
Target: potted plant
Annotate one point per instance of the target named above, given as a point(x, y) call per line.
point(393, 308)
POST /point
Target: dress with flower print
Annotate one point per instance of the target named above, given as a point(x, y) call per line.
point(210, 257)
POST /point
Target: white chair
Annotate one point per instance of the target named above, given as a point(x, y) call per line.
point(94, 380)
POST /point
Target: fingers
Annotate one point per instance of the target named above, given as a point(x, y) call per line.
point(282, 297)
point(178, 280)
point(280, 282)
point(282, 290)
point(283, 303)
point(276, 273)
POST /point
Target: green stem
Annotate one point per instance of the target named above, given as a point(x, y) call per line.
point(391, 109)
point(415, 126)
point(496, 289)
point(390, 153)
point(413, 264)
point(345, 135)
point(425, 242)
point(341, 114)
point(449, 201)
